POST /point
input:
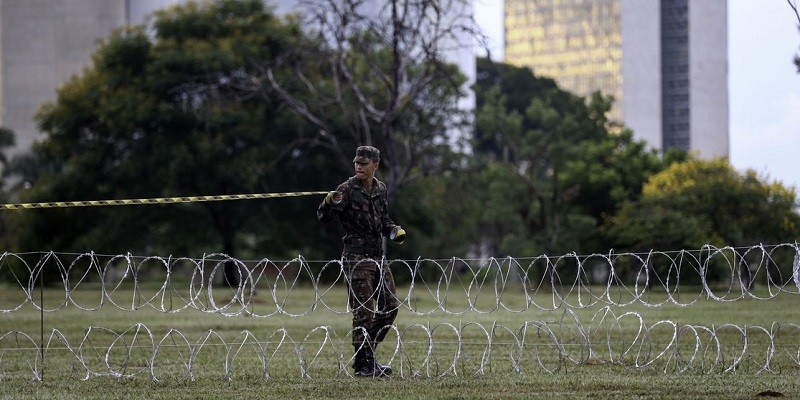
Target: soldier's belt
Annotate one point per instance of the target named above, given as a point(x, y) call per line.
point(359, 245)
point(364, 251)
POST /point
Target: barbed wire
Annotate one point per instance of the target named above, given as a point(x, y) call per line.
point(454, 287)
point(416, 350)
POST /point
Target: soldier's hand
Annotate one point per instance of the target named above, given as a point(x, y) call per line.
point(333, 197)
point(398, 234)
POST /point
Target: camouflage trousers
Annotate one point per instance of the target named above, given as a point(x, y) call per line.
point(372, 298)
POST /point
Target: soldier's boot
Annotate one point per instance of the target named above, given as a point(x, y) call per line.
point(387, 370)
point(365, 366)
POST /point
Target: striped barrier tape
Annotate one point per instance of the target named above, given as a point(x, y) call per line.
point(156, 200)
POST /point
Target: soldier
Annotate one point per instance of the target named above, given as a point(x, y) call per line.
point(362, 208)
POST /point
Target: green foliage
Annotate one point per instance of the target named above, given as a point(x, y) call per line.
point(698, 202)
point(380, 89)
point(225, 98)
point(441, 210)
point(143, 121)
point(7, 140)
point(554, 166)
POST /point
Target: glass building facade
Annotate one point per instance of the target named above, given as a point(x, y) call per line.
point(577, 42)
point(663, 61)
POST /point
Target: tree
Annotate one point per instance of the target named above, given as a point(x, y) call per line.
point(793, 5)
point(7, 141)
point(555, 163)
point(388, 84)
point(133, 125)
point(698, 202)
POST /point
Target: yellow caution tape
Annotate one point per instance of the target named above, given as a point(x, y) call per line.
point(157, 200)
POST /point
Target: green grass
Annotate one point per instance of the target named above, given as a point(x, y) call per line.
point(207, 338)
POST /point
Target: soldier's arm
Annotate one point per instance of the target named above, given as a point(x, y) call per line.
point(332, 204)
point(324, 212)
point(387, 225)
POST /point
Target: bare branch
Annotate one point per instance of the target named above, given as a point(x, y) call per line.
point(296, 105)
point(382, 73)
point(793, 4)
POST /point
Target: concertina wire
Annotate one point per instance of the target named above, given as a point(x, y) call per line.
point(577, 307)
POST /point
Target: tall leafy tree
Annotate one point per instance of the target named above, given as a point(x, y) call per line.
point(389, 83)
point(698, 202)
point(137, 124)
point(555, 164)
point(7, 141)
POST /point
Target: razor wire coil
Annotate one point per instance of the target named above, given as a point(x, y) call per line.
point(416, 350)
point(451, 288)
point(455, 286)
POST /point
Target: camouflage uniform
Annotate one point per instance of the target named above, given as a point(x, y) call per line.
point(371, 290)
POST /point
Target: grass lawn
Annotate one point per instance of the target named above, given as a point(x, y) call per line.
point(477, 349)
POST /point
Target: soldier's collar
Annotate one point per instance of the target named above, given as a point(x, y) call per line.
point(357, 183)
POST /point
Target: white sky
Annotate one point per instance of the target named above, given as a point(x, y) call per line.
point(763, 83)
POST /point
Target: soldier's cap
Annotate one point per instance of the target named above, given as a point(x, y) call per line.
point(366, 153)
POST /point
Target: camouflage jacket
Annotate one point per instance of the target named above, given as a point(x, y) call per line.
point(363, 215)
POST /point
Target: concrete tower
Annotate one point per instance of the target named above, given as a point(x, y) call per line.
point(45, 42)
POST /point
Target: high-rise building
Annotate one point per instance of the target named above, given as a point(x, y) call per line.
point(43, 43)
point(664, 61)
